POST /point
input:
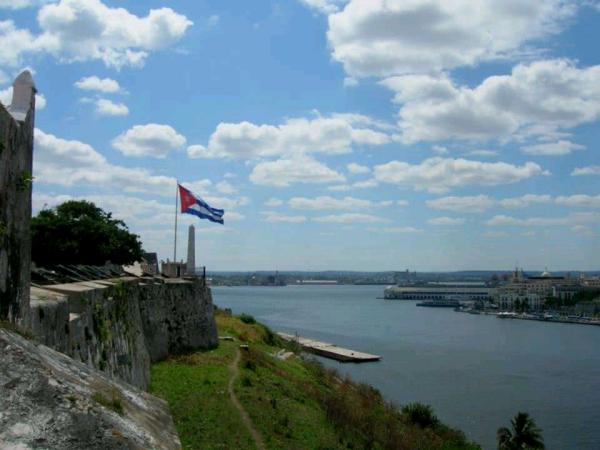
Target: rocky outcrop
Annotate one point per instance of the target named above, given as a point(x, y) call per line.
point(120, 326)
point(48, 400)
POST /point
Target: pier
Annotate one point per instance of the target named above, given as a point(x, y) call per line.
point(328, 350)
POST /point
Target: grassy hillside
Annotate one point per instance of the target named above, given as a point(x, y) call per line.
point(288, 404)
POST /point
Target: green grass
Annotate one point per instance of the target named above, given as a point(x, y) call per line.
point(294, 404)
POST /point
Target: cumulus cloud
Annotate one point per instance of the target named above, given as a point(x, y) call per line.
point(589, 170)
point(382, 38)
point(152, 140)
point(446, 221)
point(579, 200)
point(329, 135)
point(224, 187)
point(484, 153)
point(82, 30)
point(583, 218)
point(525, 201)
point(272, 216)
point(20, 4)
point(439, 175)
point(74, 163)
point(326, 202)
point(107, 107)
point(349, 218)
point(399, 230)
point(536, 99)
point(94, 83)
point(286, 171)
point(558, 148)
point(467, 204)
point(273, 202)
point(324, 6)
point(354, 168)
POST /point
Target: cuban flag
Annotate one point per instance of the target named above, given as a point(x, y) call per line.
point(192, 204)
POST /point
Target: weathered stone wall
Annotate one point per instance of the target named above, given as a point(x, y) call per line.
point(50, 401)
point(16, 156)
point(119, 326)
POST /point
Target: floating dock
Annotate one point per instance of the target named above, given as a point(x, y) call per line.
point(328, 350)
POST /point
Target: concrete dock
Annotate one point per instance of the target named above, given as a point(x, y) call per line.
point(328, 350)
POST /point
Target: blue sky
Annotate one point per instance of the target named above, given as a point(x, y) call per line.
point(336, 134)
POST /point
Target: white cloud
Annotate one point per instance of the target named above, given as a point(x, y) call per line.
point(149, 140)
point(525, 201)
point(583, 230)
point(589, 170)
point(326, 202)
point(558, 148)
point(441, 174)
point(579, 200)
point(330, 135)
point(536, 99)
point(273, 202)
point(20, 4)
point(324, 6)
point(467, 204)
point(94, 83)
point(399, 230)
point(446, 221)
point(286, 171)
point(354, 168)
point(350, 82)
point(439, 149)
point(272, 216)
point(73, 163)
point(402, 203)
point(106, 107)
point(349, 218)
point(224, 187)
point(570, 220)
point(382, 38)
point(82, 30)
point(484, 153)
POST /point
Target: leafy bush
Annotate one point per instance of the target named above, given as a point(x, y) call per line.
point(421, 415)
point(247, 318)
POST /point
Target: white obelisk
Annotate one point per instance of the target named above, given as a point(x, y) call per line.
point(191, 252)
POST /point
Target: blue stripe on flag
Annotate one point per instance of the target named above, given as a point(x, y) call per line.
point(213, 218)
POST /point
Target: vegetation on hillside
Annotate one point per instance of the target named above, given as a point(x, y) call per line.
point(523, 434)
point(293, 403)
point(78, 232)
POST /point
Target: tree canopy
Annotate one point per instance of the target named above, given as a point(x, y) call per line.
point(78, 232)
point(524, 434)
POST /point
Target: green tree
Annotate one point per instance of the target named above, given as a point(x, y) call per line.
point(78, 232)
point(524, 434)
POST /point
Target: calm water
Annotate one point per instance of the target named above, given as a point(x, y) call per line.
point(476, 371)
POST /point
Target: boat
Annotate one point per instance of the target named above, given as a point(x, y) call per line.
point(506, 315)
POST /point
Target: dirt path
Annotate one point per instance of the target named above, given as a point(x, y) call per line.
point(235, 371)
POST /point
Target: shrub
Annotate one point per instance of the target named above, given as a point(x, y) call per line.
point(421, 415)
point(247, 318)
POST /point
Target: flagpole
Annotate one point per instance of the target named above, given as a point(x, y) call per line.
point(176, 201)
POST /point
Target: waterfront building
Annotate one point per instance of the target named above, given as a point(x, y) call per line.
point(534, 290)
point(440, 291)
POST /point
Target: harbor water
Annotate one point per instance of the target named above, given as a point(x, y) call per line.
point(476, 371)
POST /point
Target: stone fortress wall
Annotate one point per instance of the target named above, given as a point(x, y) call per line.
point(80, 381)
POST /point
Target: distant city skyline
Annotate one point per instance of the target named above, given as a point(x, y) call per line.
point(336, 134)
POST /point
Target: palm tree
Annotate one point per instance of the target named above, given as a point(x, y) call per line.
point(525, 434)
